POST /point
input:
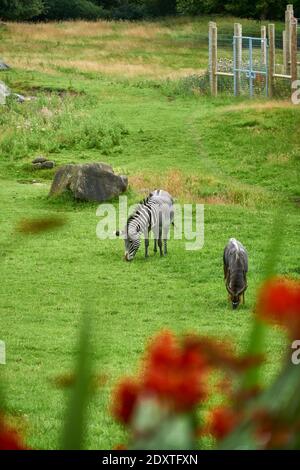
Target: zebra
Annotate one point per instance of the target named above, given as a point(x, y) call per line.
point(235, 271)
point(154, 213)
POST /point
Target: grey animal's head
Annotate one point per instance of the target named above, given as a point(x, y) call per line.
point(236, 289)
point(235, 299)
point(132, 241)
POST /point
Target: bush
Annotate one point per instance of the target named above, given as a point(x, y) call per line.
point(20, 9)
point(52, 125)
point(72, 9)
point(128, 11)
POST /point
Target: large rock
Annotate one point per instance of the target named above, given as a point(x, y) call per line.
point(89, 182)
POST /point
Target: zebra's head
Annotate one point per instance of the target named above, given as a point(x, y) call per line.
point(132, 240)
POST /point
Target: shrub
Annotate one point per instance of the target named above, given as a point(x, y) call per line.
point(52, 125)
point(20, 9)
point(72, 9)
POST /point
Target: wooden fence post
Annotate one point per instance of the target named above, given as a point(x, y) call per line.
point(284, 51)
point(213, 59)
point(289, 14)
point(264, 46)
point(211, 24)
point(238, 33)
point(294, 73)
point(271, 31)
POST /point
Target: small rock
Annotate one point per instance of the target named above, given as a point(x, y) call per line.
point(19, 98)
point(46, 165)
point(40, 159)
point(22, 99)
point(4, 66)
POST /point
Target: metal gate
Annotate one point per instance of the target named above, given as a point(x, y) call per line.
point(250, 66)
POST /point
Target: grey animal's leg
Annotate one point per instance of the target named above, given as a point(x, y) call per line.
point(147, 247)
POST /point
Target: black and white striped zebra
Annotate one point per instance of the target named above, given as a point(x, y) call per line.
point(156, 214)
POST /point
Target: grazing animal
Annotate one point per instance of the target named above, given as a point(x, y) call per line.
point(156, 214)
point(235, 271)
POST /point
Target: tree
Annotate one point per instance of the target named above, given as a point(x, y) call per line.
point(71, 9)
point(161, 7)
point(20, 9)
point(198, 7)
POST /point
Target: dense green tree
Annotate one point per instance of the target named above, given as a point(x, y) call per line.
point(20, 9)
point(137, 9)
point(273, 9)
point(71, 9)
point(161, 7)
point(198, 7)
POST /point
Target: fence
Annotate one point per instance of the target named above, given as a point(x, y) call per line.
point(255, 65)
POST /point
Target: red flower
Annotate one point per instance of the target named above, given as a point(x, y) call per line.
point(9, 438)
point(125, 400)
point(222, 422)
point(174, 372)
point(279, 302)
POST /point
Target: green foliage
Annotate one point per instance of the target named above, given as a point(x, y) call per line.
point(54, 125)
point(197, 7)
point(137, 9)
point(255, 9)
point(72, 9)
point(20, 9)
point(161, 7)
point(75, 421)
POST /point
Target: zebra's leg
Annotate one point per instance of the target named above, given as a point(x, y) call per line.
point(147, 243)
point(160, 245)
point(165, 237)
point(155, 245)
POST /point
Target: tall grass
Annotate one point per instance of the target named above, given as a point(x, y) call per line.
point(52, 124)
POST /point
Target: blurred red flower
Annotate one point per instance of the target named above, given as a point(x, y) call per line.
point(125, 399)
point(279, 301)
point(222, 421)
point(9, 438)
point(172, 372)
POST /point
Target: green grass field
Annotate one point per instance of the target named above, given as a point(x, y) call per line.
point(238, 157)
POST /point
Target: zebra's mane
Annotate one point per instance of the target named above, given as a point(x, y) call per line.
point(133, 216)
point(144, 203)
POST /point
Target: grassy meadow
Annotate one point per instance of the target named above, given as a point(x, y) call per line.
point(120, 93)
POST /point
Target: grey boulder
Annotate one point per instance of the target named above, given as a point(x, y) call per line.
point(95, 182)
